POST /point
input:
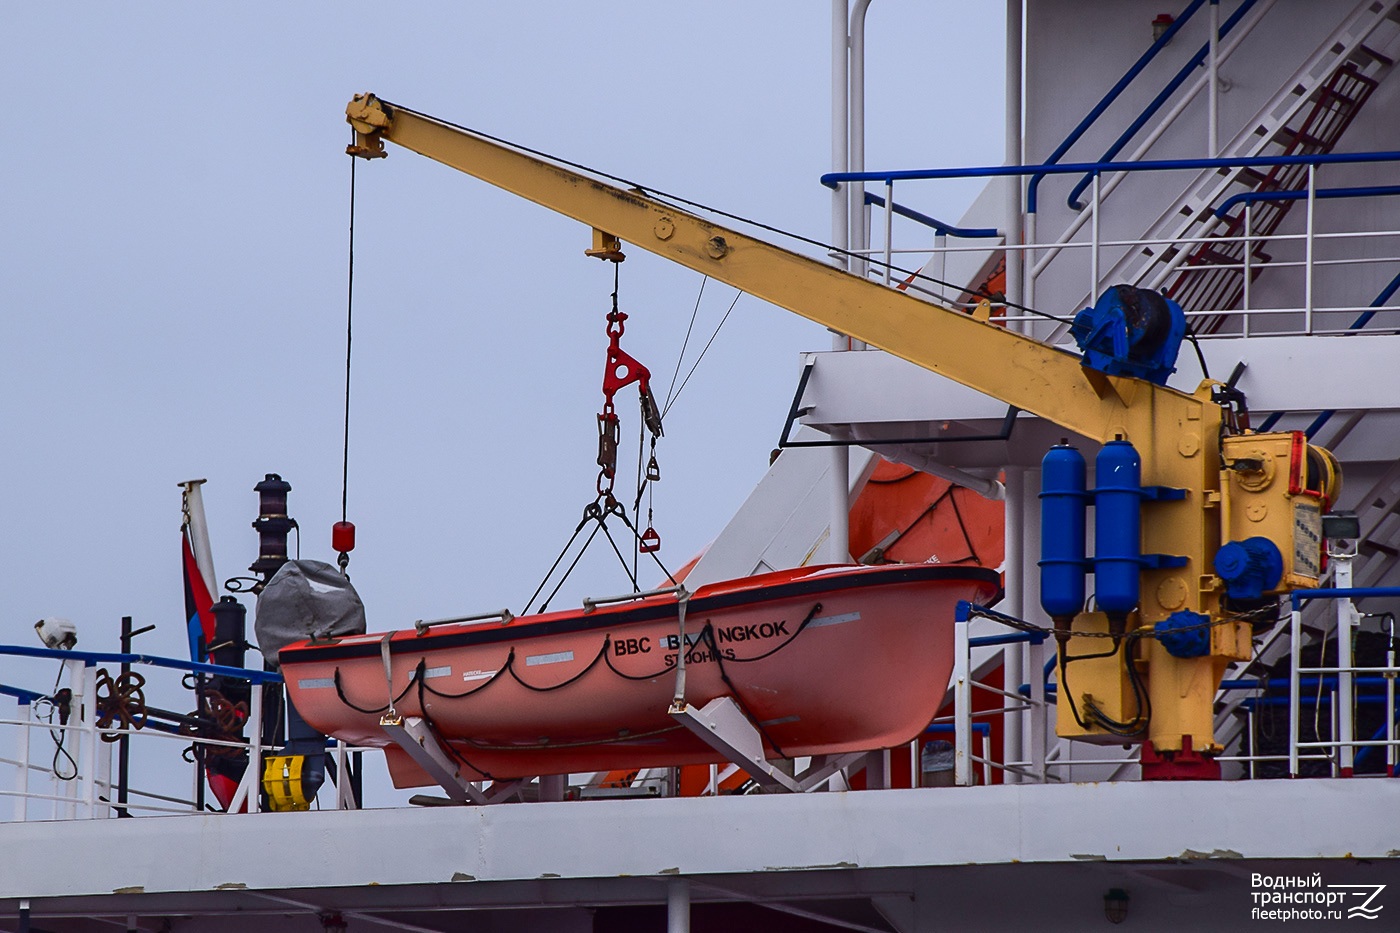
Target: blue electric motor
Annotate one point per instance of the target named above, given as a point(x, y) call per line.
point(1131, 332)
point(1117, 530)
point(1063, 500)
point(1249, 568)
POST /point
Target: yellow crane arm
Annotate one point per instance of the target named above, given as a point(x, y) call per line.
point(1177, 434)
point(993, 360)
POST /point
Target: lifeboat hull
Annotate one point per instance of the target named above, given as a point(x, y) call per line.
point(825, 660)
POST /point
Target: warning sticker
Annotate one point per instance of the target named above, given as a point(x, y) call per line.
point(1307, 538)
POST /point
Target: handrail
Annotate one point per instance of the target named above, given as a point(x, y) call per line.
point(1075, 168)
point(1358, 592)
point(90, 658)
point(1321, 194)
point(939, 227)
point(1117, 89)
point(1157, 102)
point(1326, 414)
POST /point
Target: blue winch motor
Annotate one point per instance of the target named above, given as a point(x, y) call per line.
point(1131, 332)
point(1249, 568)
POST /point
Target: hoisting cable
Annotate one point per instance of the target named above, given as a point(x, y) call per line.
point(343, 534)
point(660, 195)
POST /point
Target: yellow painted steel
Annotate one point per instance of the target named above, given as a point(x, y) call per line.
point(282, 781)
point(1176, 433)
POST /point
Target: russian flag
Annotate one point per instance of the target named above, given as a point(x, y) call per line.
point(199, 604)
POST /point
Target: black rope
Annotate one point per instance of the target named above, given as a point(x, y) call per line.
point(477, 689)
point(340, 692)
point(581, 743)
point(817, 607)
point(443, 741)
point(510, 666)
point(661, 673)
point(659, 195)
point(555, 565)
point(618, 551)
point(708, 634)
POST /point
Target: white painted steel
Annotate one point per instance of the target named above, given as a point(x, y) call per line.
point(199, 534)
point(1013, 575)
point(962, 706)
point(1213, 99)
point(840, 224)
point(1013, 223)
point(1346, 620)
point(677, 905)
point(1294, 700)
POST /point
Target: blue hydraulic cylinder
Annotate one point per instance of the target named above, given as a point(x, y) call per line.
point(1063, 502)
point(1117, 529)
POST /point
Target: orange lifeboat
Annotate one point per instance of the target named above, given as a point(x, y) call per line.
point(824, 660)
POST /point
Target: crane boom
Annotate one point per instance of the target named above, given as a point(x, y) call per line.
point(1023, 372)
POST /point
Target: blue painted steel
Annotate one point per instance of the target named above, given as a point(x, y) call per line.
point(1063, 501)
point(1325, 416)
point(1250, 568)
point(89, 658)
point(1143, 61)
point(1184, 634)
point(938, 226)
point(1187, 70)
point(1010, 638)
point(1117, 528)
point(1360, 592)
point(19, 693)
point(981, 728)
point(1131, 332)
point(1321, 194)
point(1146, 165)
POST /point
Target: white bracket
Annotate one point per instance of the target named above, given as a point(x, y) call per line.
point(413, 735)
point(722, 725)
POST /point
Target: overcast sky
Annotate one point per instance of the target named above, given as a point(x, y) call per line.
point(174, 201)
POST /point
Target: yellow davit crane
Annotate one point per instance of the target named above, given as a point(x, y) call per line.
point(1197, 530)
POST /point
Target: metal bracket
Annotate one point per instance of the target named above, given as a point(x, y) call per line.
point(413, 735)
point(722, 725)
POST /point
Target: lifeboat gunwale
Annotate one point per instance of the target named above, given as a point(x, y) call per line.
point(724, 595)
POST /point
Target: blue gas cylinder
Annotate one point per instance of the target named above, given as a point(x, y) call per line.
point(1117, 528)
point(1063, 501)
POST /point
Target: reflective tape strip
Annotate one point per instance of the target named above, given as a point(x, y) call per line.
point(437, 672)
point(315, 683)
point(554, 658)
point(819, 621)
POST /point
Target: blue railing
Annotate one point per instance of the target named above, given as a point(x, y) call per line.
point(1113, 93)
point(1321, 194)
point(1092, 168)
point(1157, 102)
point(89, 658)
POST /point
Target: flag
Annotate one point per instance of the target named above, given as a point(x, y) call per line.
point(199, 604)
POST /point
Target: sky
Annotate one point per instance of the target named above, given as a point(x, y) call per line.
point(174, 203)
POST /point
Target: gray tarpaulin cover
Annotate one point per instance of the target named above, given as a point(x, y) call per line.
point(305, 599)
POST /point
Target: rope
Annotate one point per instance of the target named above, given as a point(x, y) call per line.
point(706, 349)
